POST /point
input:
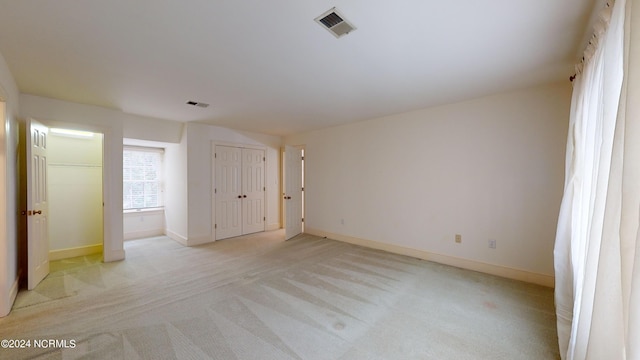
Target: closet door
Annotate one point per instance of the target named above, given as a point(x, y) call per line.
point(253, 189)
point(228, 185)
point(239, 191)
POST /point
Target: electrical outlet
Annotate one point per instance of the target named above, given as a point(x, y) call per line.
point(492, 244)
point(458, 238)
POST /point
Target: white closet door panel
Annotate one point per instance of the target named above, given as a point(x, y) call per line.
point(228, 173)
point(253, 168)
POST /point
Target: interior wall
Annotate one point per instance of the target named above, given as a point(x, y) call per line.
point(489, 168)
point(75, 192)
point(175, 196)
point(200, 199)
point(8, 190)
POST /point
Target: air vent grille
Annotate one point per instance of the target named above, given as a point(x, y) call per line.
point(335, 23)
point(330, 20)
point(198, 104)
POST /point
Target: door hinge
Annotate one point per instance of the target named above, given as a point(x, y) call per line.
point(302, 158)
point(264, 188)
point(302, 219)
point(215, 226)
point(264, 219)
point(215, 155)
point(302, 189)
point(215, 191)
point(264, 158)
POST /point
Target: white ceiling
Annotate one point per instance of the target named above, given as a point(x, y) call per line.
point(266, 66)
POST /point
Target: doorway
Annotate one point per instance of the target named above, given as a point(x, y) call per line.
point(62, 195)
point(75, 166)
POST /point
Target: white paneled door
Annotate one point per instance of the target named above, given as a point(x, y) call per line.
point(37, 211)
point(239, 191)
point(253, 217)
point(293, 191)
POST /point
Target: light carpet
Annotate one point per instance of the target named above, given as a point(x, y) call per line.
point(258, 297)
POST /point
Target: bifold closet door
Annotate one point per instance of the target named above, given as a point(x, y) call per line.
point(239, 191)
point(253, 218)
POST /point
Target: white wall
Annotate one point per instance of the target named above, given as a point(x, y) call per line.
point(144, 128)
point(143, 223)
point(175, 196)
point(200, 138)
point(489, 168)
point(8, 189)
point(75, 192)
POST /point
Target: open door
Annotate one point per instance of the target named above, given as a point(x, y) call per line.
point(37, 209)
point(292, 191)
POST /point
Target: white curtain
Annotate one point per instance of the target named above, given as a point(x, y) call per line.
point(597, 252)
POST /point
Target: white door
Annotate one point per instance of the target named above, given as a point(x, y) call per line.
point(37, 210)
point(253, 189)
point(228, 192)
point(292, 192)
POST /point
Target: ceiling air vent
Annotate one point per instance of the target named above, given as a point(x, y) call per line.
point(335, 23)
point(198, 104)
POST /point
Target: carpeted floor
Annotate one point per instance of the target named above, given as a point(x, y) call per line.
point(257, 297)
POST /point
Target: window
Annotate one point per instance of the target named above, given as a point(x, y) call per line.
point(142, 178)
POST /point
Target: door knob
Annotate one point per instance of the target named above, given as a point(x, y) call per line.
point(244, 196)
point(239, 196)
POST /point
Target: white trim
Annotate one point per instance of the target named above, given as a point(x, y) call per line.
point(145, 211)
point(150, 149)
point(195, 241)
point(498, 270)
point(132, 235)
point(274, 226)
point(75, 252)
point(5, 308)
point(5, 301)
point(174, 236)
point(113, 255)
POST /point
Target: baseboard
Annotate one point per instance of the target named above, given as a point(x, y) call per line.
point(176, 237)
point(113, 255)
point(498, 270)
point(7, 303)
point(271, 227)
point(194, 241)
point(143, 234)
point(74, 252)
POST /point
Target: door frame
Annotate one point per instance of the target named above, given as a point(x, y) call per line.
point(212, 187)
point(106, 184)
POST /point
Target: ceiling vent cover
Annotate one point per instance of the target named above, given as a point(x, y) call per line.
point(335, 23)
point(198, 104)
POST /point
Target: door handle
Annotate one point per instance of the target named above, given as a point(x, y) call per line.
point(37, 212)
point(239, 196)
point(244, 196)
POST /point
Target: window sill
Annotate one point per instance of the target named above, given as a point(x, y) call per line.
point(149, 211)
